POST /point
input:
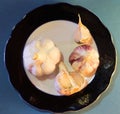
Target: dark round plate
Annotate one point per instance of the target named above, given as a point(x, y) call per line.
point(14, 59)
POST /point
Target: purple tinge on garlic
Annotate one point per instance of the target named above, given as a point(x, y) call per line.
point(85, 60)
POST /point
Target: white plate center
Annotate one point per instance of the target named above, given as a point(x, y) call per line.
point(61, 32)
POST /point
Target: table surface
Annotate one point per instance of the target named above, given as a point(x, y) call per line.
point(12, 11)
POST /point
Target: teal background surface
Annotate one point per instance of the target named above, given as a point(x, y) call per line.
point(12, 11)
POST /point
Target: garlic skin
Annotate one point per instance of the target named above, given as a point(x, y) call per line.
point(85, 60)
point(68, 83)
point(41, 56)
point(82, 34)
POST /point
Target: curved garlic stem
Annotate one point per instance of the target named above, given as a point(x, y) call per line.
point(80, 22)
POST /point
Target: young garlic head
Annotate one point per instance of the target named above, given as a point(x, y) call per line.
point(41, 57)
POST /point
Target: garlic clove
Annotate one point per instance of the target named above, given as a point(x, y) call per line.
point(82, 34)
point(67, 83)
point(37, 68)
point(48, 66)
point(47, 44)
point(55, 55)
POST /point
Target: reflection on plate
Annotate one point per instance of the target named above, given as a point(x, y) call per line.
point(33, 22)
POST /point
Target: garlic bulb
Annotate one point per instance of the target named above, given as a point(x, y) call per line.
point(41, 56)
point(68, 83)
point(85, 60)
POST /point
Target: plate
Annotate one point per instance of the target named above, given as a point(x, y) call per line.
point(64, 40)
point(23, 32)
